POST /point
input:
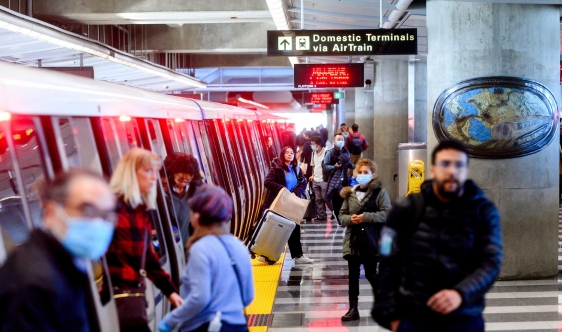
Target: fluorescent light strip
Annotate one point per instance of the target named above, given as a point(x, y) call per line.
point(279, 14)
point(252, 103)
point(53, 40)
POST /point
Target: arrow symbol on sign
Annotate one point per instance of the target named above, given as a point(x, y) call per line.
point(284, 43)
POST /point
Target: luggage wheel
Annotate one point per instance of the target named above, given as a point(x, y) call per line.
point(270, 262)
point(253, 256)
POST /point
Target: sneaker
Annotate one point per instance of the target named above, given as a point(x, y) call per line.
point(303, 260)
point(261, 259)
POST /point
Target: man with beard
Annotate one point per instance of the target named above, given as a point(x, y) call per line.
point(441, 252)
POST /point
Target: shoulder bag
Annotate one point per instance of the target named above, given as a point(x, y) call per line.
point(131, 302)
point(233, 264)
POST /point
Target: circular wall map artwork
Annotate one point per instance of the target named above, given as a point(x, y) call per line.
point(497, 117)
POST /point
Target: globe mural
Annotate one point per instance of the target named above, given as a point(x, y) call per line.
point(497, 117)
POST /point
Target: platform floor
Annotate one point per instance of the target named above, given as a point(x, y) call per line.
point(313, 298)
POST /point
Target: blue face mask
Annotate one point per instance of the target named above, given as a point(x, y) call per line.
point(87, 238)
point(340, 144)
point(313, 147)
point(363, 179)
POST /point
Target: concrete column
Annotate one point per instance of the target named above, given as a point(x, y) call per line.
point(364, 111)
point(468, 40)
point(349, 107)
point(390, 119)
point(420, 101)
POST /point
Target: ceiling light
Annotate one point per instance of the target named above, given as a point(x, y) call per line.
point(124, 118)
point(5, 116)
point(252, 103)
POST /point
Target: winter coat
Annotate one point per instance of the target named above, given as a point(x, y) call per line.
point(275, 181)
point(41, 289)
point(455, 245)
point(352, 205)
point(337, 177)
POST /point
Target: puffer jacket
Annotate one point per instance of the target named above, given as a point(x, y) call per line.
point(455, 245)
point(352, 205)
point(336, 176)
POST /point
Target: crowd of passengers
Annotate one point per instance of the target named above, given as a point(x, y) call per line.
point(429, 259)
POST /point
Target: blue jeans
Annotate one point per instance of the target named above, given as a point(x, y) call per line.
point(473, 324)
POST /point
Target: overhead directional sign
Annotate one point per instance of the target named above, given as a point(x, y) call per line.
point(319, 98)
point(329, 75)
point(342, 42)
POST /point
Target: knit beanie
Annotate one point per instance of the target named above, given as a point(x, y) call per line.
point(212, 202)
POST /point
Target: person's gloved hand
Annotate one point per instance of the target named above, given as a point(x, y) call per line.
point(164, 327)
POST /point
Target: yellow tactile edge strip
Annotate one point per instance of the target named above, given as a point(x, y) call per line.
point(266, 279)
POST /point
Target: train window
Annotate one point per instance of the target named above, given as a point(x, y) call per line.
point(113, 148)
point(156, 139)
point(157, 145)
point(89, 156)
point(195, 149)
point(67, 141)
point(28, 151)
point(128, 134)
point(13, 222)
point(182, 129)
point(206, 152)
point(177, 144)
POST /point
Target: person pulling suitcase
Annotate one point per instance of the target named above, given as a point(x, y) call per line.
point(287, 175)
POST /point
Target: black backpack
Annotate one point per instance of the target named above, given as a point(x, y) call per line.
point(356, 146)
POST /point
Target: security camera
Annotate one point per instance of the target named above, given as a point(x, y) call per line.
point(368, 84)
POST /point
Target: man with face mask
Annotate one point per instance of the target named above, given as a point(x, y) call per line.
point(442, 250)
point(43, 284)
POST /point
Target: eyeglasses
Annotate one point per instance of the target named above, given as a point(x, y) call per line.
point(179, 177)
point(89, 210)
point(447, 163)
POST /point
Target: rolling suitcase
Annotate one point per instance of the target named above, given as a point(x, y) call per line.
point(271, 236)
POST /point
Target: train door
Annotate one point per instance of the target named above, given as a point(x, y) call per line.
point(225, 154)
point(76, 148)
point(24, 165)
point(153, 138)
point(247, 158)
point(118, 136)
point(256, 149)
point(181, 138)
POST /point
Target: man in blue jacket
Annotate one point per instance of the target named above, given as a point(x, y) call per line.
point(443, 252)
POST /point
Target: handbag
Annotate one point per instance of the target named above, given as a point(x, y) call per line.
point(365, 236)
point(131, 302)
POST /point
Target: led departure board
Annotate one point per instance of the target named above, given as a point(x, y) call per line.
point(319, 98)
point(347, 75)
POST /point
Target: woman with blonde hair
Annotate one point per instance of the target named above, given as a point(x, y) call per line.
point(363, 213)
point(134, 183)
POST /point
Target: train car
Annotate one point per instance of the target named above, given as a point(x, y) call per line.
point(51, 121)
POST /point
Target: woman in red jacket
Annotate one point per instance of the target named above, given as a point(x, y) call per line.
point(134, 183)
